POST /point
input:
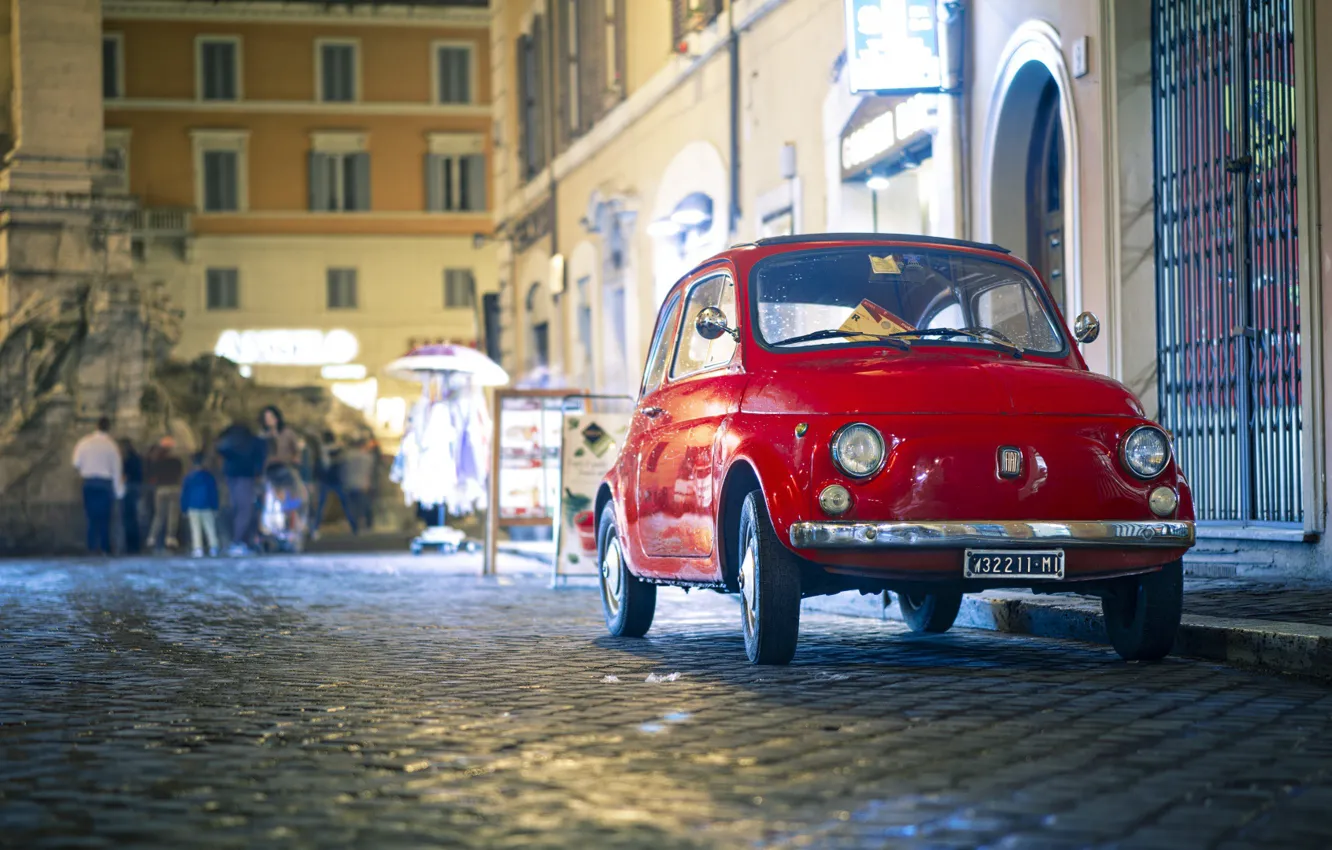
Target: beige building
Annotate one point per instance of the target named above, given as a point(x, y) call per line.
point(1089, 136)
point(314, 180)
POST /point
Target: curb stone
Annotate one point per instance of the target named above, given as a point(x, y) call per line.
point(1295, 648)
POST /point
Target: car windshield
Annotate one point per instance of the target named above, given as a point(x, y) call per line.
point(855, 296)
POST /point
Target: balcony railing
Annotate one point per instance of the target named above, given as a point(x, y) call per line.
point(162, 221)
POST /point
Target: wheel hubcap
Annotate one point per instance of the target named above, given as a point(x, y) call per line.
point(612, 576)
point(749, 586)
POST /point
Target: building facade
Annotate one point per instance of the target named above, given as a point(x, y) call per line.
point(314, 180)
point(1155, 160)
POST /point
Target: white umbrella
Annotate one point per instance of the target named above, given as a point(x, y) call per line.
point(430, 360)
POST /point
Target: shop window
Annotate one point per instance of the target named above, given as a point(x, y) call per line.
point(342, 289)
point(459, 289)
point(338, 71)
point(217, 68)
point(113, 66)
point(453, 73)
point(222, 289)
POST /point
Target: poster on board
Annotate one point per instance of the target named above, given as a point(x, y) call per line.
point(590, 444)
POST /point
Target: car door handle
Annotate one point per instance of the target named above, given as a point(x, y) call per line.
point(651, 412)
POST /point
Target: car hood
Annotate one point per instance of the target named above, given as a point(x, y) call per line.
point(942, 381)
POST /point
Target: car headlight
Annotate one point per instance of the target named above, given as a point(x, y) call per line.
point(857, 450)
point(1146, 451)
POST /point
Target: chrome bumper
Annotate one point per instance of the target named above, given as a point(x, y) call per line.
point(1161, 534)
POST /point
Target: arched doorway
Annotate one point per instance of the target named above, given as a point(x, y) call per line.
point(1045, 192)
point(689, 217)
point(1028, 188)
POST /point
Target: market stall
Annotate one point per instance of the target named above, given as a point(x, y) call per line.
point(444, 457)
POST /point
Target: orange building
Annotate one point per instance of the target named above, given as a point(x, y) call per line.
point(313, 179)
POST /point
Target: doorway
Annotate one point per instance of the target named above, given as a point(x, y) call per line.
point(1045, 193)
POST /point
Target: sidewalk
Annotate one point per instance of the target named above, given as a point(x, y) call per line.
point(1280, 626)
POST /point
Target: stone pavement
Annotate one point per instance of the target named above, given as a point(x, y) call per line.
point(401, 702)
point(1282, 626)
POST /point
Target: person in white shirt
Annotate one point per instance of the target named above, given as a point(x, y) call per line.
point(97, 458)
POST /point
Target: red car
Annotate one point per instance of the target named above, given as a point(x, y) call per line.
point(877, 413)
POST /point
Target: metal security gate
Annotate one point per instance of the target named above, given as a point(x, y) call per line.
point(1228, 302)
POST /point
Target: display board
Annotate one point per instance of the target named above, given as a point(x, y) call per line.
point(590, 444)
point(529, 458)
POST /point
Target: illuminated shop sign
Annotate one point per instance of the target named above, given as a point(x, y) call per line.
point(287, 347)
point(884, 133)
point(892, 46)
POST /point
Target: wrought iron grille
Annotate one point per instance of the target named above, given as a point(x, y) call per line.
point(1228, 326)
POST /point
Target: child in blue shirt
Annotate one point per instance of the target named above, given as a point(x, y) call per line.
point(199, 502)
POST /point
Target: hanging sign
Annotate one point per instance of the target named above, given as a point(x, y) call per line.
point(892, 46)
point(590, 444)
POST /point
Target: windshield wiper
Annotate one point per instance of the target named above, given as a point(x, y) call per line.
point(982, 334)
point(834, 333)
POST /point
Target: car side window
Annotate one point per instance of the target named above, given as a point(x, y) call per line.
point(694, 352)
point(662, 344)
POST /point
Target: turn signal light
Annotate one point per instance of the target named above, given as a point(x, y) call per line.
point(835, 500)
point(1163, 501)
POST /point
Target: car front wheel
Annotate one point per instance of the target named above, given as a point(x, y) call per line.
point(1142, 613)
point(769, 587)
point(932, 612)
point(627, 601)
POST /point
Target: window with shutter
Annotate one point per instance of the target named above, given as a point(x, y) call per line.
point(219, 69)
point(531, 77)
point(341, 289)
point(459, 289)
point(222, 289)
point(221, 193)
point(112, 85)
point(339, 182)
point(453, 73)
point(337, 72)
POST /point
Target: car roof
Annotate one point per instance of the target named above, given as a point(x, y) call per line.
point(731, 253)
point(816, 238)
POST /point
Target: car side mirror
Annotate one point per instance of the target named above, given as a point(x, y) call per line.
point(711, 324)
point(1087, 328)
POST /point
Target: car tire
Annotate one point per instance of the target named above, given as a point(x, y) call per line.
point(1142, 613)
point(930, 613)
point(628, 602)
point(769, 576)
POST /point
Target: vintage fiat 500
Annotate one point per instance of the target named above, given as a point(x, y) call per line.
point(886, 413)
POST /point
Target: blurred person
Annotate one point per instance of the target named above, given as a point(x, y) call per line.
point(376, 473)
point(358, 467)
point(243, 456)
point(284, 444)
point(283, 483)
point(130, 504)
point(199, 500)
point(97, 458)
point(163, 472)
point(329, 475)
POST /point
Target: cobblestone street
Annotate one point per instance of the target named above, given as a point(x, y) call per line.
point(391, 701)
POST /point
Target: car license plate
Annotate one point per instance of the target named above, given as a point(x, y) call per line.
point(1011, 563)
